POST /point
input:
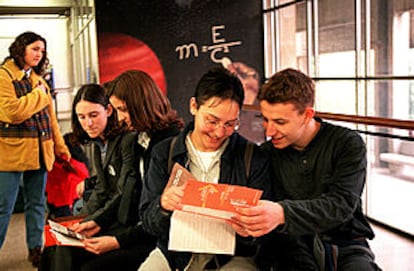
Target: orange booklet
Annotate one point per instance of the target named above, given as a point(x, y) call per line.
point(179, 176)
point(59, 234)
point(217, 200)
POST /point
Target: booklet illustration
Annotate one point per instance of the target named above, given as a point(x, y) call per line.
point(217, 200)
point(212, 199)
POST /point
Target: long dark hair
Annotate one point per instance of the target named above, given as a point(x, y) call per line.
point(93, 93)
point(18, 48)
point(149, 109)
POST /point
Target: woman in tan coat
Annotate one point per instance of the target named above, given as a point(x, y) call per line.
point(29, 136)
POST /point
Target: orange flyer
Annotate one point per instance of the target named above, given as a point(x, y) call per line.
point(218, 200)
point(211, 199)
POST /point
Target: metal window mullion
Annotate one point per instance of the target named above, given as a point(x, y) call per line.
point(74, 45)
point(367, 70)
point(357, 51)
point(313, 30)
point(268, 29)
point(276, 39)
point(367, 59)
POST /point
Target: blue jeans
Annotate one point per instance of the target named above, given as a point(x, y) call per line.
point(34, 183)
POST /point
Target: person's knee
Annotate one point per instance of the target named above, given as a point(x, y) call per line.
point(155, 261)
point(359, 264)
point(357, 258)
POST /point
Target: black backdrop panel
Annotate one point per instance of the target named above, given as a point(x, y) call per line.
point(177, 41)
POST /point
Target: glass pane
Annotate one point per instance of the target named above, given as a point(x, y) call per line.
point(392, 37)
point(292, 37)
point(336, 96)
point(392, 99)
point(390, 183)
point(269, 43)
point(336, 35)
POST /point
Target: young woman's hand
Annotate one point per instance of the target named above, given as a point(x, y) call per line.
point(42, 86)
point(88, 228)
point(80, 188)
point(171, 198)
point(102, 244)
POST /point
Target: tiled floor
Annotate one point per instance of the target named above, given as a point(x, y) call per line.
point(391, 198)
point(13, 254)
point(393, 252)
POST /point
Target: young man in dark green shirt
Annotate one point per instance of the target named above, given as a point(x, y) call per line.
point(316, 218)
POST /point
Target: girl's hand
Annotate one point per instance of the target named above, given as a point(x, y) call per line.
point(102, 244)
point(42, 86)
point(171, 198)
point(88, 228)
point(80, 188)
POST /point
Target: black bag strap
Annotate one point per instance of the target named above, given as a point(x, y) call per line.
point(248, 153)
point(11, 77)
point(170, 162)
point(247, 156)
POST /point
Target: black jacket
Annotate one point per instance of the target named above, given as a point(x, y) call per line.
point(232, 171)
point(119, 165)
point(133, 234)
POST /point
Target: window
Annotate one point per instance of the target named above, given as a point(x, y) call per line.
point(361, 55)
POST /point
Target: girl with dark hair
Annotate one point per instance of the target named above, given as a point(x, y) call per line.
point(94, 120)
point(29, 136)
point(140, 104)
point(142, 108)
point(117, 240)
point(93, 96)
point(17, 52)
point(114, 159)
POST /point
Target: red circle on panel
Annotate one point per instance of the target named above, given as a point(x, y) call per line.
point(119, 52)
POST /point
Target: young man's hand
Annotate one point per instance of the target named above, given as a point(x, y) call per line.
point(258, 220)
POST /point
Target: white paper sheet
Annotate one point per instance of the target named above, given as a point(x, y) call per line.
point(201, 234)
point(63, 240)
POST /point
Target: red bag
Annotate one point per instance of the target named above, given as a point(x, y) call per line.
point(62, 181)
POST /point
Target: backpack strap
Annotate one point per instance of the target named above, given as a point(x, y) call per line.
point(170, 162)
point(248, 153)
